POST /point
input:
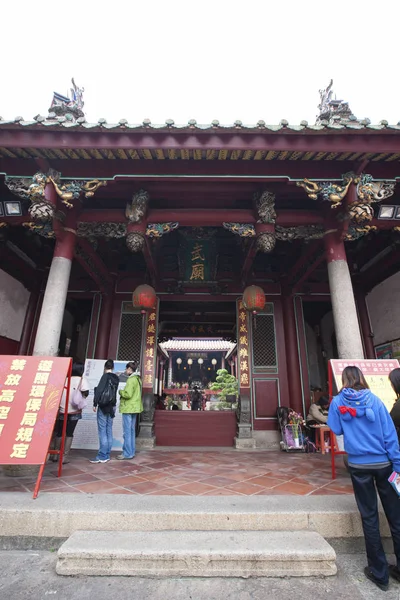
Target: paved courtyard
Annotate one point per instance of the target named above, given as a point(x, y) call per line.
point(183, 472)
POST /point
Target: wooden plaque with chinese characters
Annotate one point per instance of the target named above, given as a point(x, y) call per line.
point(31, 389)
point(376, 374)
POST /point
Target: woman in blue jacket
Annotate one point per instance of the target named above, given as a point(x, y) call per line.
point(370, 440)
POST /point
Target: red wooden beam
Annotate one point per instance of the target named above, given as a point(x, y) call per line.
point(301, 262)
point(158, 172)
point(150, 263)
point(204, 217)
point(100, 273)
point(360, 141)
point(248, 261)
point(313, 266)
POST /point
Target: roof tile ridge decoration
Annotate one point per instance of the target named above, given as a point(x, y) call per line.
point(82, 123)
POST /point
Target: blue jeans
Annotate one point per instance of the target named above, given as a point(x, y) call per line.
point(365, 484)
point(129, 427)
point(104, 427)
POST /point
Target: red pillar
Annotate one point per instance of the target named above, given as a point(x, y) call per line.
point(348, 336)
point(55, 296)
point(292, 354)
point(104, 327)
point(29, 322)
point(365, 323)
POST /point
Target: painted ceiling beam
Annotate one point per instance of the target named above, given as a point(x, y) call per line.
point(190, 172)
point(348, 141)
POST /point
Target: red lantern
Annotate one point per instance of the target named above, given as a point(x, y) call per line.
point(144, 297)
point(254, 299)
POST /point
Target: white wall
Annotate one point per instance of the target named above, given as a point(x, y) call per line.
point(13, 303)
point(384, 310)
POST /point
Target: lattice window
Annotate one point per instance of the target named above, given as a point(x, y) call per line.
point(264, 345)
point(130, 337)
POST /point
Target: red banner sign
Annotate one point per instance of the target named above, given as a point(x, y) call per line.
point(243, 346)
point(150, 349)
point(31, 388)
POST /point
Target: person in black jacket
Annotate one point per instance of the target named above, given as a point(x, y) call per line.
point(104, 403)
point(394, 378)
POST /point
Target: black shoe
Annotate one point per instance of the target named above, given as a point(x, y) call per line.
point(382, 586)
point(394, 572)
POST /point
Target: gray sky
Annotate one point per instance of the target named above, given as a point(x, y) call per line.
point(205, 60)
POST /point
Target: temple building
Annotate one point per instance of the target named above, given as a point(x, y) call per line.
point(304, 219)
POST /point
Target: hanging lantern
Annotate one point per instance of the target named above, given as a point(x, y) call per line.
point(179, 362)
point(200, 361)
point(254, 299)
point(144, 297)
point(214, 362)
point(190, 362)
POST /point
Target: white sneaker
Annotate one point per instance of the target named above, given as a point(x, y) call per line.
point(96, 461)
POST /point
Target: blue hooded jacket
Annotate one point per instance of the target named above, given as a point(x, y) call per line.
point(369, 433)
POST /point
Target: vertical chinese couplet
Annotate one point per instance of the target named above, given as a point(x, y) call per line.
point(243, 346)
point(150, 350)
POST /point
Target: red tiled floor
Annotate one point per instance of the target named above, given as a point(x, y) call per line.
point(295, 488)
point(266, 482)
point(125, 480)
point(221, 472)
point(195, 488)
point(146, 487)
point(246, 488)
point(96, 487)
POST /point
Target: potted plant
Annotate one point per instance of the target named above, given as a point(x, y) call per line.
point(226, 386)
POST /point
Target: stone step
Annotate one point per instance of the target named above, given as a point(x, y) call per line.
point(197, 554)
point(59, 515)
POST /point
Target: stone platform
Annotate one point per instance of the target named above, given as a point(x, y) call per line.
point(54, 515)
point(197, 554)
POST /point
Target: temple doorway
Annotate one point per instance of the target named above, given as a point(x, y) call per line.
point(196, 341)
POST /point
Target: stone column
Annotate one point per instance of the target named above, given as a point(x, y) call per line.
point(55, 296)
point(365, 324)
point(223, 362)
point(104, 327)
point(29, 321)
point(348, 337)
point(169, 370)
point(292, 353)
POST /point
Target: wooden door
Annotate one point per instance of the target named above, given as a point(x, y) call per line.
point(269, 377)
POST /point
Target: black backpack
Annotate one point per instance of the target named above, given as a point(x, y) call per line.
point(109, 395)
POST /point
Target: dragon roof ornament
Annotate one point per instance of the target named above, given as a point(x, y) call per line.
point(333, 111)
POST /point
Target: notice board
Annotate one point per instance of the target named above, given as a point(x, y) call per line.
point(31, 389)
point(376, 373)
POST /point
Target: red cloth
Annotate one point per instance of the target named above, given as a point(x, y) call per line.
point(345, 409)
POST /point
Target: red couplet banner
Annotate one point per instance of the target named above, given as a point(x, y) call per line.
point(31, 388)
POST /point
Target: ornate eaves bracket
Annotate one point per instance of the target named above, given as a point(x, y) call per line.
point(33, 190)
point(264, 229)
point(368, 190)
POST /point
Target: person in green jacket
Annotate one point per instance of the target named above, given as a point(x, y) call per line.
point(130, 406)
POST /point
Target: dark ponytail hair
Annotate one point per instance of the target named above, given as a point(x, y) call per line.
point(394, 378)
point(353, 378)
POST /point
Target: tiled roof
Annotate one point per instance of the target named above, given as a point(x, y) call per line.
point(102, 124)
point(197, 345)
